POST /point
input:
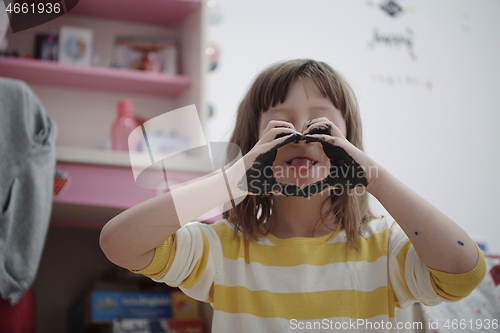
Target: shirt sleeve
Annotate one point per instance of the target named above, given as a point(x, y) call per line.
point(413, 281)
point(189, 259)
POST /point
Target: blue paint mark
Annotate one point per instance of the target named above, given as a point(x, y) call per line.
point(461, 243)
point(416, 233)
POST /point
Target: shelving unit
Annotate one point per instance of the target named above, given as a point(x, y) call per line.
point(102, 185)
point(97, 78)
point(122, 159)
point(160, 12)
point(82, 101)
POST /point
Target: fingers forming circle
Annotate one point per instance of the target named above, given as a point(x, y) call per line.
point(322, 137)
point(322, 125)
point(278, 123)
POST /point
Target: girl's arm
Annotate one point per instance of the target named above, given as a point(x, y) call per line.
point(130, 238)
point(440, 243)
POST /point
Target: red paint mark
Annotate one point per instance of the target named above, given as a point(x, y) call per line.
point(495, 274)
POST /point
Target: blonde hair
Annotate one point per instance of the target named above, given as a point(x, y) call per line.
point(270, 88)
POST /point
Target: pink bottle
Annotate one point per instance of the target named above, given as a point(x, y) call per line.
point(123, 125)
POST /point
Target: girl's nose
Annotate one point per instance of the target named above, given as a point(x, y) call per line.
point(304, 126)
point(300, 125)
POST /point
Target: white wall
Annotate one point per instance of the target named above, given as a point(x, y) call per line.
point(435, 129)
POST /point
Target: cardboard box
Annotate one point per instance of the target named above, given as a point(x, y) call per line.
point(184, 307)
point(106, 306)
point(185, 325)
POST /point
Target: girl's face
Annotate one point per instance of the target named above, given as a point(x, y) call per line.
point(302, 163)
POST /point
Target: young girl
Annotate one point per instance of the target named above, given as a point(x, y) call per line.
point(316, 261)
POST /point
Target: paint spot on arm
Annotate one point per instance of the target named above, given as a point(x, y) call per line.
point(416, 233)
point(461, 243)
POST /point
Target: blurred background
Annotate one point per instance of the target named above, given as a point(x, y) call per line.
point(426, 75)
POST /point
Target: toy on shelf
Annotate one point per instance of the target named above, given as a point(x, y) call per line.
point(154, 54)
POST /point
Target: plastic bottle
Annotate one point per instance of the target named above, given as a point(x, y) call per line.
point(123, 125)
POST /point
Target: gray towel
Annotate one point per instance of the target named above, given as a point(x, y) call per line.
point(27, 164)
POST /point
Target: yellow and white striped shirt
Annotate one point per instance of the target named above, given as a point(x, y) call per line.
point(314, 284)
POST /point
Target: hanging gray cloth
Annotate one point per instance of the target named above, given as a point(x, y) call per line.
point(27, 164)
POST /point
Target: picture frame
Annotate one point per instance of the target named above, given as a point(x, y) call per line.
point(75, 45)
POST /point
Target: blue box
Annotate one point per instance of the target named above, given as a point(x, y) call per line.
point(106, 306)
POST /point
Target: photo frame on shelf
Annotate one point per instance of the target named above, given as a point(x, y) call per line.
point(75, 45)
point(47, 45)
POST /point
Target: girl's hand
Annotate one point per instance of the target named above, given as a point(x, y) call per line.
point(258, 161)
point(324, 131)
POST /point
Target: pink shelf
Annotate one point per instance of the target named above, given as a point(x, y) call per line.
point(161, 12)
point(97, 78)
point(107, 190)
